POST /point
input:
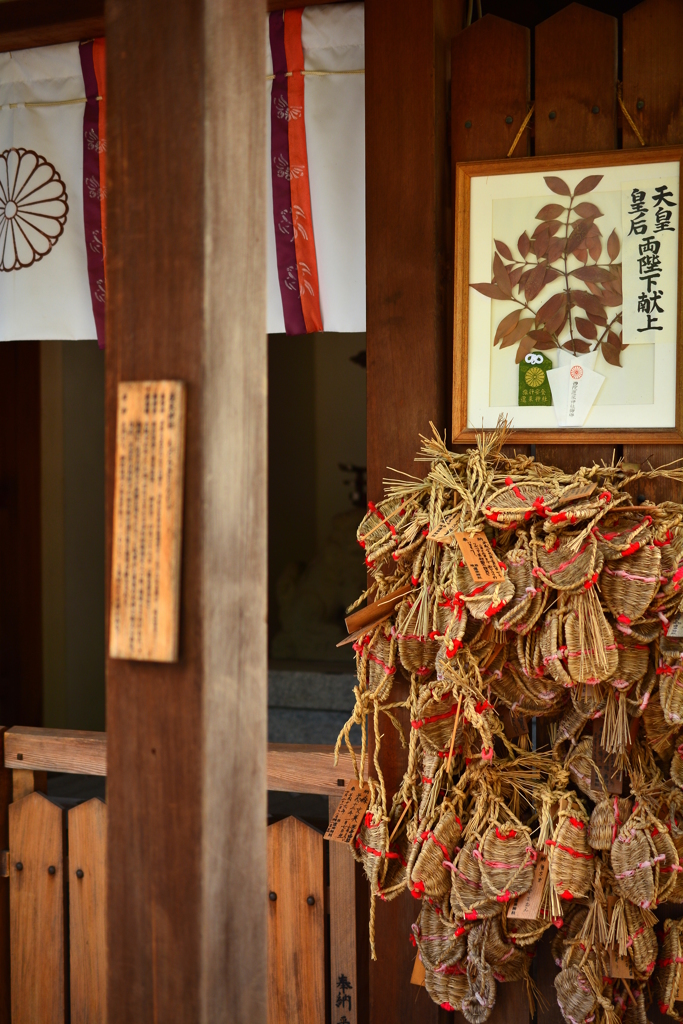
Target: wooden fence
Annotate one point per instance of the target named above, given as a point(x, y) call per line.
point(53, 890)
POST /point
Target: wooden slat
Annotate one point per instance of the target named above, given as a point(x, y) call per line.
point(5, 801)
point(296, 929)
point(497, 52)
point(576, 71)
point(343, 948)
point(87, 912)
point(308, 768)
point(652, 57)
point(26, 782)
point(37, 921)
point(57, 750)
point(26, 23)
point(186, 301)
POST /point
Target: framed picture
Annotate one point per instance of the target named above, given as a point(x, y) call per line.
point(567, 297)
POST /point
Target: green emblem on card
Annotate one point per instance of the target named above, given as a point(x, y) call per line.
point(534, 388)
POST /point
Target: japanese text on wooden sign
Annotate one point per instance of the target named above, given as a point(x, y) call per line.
point(479, 557)
point(148, 499)
point(346, 819)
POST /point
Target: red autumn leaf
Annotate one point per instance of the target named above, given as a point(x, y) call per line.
point(515, 275)
point(613, 246)
point(601, 321)
point(542, 339)
point(554, 324)
point(618, 318)
point(523, 245)
point(518, 332)
point(595, 274)
point(594, 248)
point(615, 340)
point(581, 254)
point(551, 212)
point(610, 298)
point(610, 354)
point(523, 280)
point(551, 274)
point(586, 328)
point(594, 289)
point(544, 346)
point(557, 185)
point(550, 307)
point(584, 300)
point(587, 210)
point(503, 249)
point(555, 249)
point(542, 242)
point(492, 291)
point(501, 276)
point(525, 347)
point(535, 282)
point(577, 346)
point(587, 184)
point(578, 235)
point(615, 285)
point(506, 325)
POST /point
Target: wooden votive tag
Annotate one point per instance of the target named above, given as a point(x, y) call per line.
point(479, 557)
point(527, 906)
point(679, 994)
point(418, 975)
point(148, 510)
point(346, 819)
point(605, 763)
point(619, 966)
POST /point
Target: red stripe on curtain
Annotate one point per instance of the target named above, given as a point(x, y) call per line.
point(302, 220)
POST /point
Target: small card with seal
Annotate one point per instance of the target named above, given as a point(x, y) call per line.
point(346, 819)
point(527, 906)
point(479, 557)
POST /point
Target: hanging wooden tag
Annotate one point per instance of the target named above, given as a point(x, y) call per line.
point(346, 819)
point(418, 975)
point(148, 510)
point(619, 966)
point(479, 557)
point(527, 906)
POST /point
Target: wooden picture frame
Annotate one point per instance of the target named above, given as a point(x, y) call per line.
point(492, 182)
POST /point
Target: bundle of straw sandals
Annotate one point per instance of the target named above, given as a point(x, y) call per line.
point(540, 712)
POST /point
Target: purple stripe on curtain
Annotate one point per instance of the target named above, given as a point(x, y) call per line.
point(282, 196)
point(92, 211)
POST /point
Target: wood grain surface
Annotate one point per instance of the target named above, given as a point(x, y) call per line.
point(26, 23)
point(186, 301)
point(74, 751)
point(5, 964)
point(408, 221)
point(652, 54)
point(499, 51)
point(343, 946)
point(37, 920)
point(87, 912)
point(296, 928)
point(575, 79)
point(26, 782)
point(308, 768)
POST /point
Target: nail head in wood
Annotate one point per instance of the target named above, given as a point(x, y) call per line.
point(640, 104)
point(51, 870)
point(310, 900)
point(19, 866)
point(468, 124)
point(508, 119)
point(272, 896)
point(595, 109)
point(340, 782)
point(552, 115)
point(79, 873)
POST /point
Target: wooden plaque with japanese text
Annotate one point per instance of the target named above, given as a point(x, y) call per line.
point(148, 510)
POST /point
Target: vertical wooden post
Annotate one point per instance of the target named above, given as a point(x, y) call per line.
point(652, 56)
point(5, 801)
point(343, 945)
point(407, 187)
point(186, 285)
point(87, 912)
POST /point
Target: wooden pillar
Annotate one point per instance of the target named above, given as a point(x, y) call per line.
point(186, 282)
point(407, 46)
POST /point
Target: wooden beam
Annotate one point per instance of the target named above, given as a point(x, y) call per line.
point(308, 768)
point(26, 23)
point(186, 301)
point(56, 750)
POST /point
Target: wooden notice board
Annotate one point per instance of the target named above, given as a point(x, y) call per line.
point(148, 506)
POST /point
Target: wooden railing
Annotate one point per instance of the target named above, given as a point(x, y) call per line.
point(53, 889)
